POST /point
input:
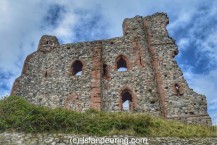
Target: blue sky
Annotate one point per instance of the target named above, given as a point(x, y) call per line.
point(193, 24)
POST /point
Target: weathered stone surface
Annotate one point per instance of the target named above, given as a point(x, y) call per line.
point(67, 139)
point(153, 78)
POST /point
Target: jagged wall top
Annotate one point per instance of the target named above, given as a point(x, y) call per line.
point(47, 43)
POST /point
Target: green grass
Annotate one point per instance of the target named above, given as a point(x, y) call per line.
point(16, 114)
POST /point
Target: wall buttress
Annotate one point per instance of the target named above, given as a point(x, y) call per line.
point(96, 73)
point(155, 65)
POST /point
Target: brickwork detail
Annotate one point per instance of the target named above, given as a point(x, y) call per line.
point(153, 80)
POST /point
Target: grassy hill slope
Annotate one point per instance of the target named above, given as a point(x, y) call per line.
point(16, 114)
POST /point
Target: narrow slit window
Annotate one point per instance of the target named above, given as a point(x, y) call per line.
point(105, 70)
point(45, 74)
point(177, 89)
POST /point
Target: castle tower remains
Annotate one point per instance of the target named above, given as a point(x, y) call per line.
point(136, 73)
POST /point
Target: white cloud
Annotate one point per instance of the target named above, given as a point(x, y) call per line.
point(183, 43)
point(210, 45)
point(64, 30)
point(21, 28)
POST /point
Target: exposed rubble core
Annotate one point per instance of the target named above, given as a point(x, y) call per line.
point(86, 75)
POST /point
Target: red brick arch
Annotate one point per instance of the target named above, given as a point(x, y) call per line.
point(118, 58)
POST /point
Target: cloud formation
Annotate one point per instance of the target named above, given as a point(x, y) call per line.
point(192, 24)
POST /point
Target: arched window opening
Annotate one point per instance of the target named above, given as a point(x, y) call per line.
point(121, 64)
point(127, 101)
point(77, 68)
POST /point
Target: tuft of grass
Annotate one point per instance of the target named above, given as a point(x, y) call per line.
point(16, 114)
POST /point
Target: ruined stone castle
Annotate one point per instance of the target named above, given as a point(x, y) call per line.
point(136, 72)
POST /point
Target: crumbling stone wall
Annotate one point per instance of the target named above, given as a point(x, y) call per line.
point(15, 138)
point(153, 81)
